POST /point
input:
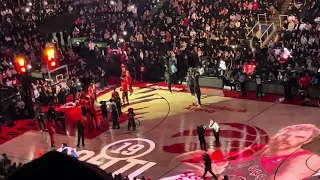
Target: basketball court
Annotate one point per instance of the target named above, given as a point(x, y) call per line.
point(165, 145)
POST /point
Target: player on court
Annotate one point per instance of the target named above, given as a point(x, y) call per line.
point(129, 82)
point(83, 106)
point(123, 70)
point(92, 93)
point(131, 121)
point(124, 89)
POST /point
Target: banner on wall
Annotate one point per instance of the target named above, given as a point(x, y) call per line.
point(79, 40)
point(86, 43)
point(38, 75)
point(99, 44)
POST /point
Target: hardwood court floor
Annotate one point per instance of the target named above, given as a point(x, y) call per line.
point(165, 145)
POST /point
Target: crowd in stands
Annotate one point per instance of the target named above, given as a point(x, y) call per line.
point(7, 167)
point(295, 49)
point(196, 33)
point(121, 177)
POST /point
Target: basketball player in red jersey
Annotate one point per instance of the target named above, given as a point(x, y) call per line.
point(89, 119)
point(283, 158)
point(129, 82)
point(94, 89)
point(91, 93)
point(92, 112)
point(114, 94)
point(123, 70)
point(124, 89)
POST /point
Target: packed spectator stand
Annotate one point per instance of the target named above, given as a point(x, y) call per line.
point(7, 167)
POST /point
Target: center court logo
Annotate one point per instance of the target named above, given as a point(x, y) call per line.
point(127, 150)
point(156, 87)
point(212, 108)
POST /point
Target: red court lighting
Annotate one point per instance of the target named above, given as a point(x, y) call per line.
point(53, 63)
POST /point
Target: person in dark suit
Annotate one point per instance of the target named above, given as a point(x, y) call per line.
point(201, 130)
point(51, 132)
point(73, 89)
point(39, 117)
point(131, 121)
point(196, 86)
point(167, 76)
point(242, 81)
point(190, 82)
point(207, 166)
point(80, 128)
point(104, 110)
point(114, 114)
point(51, 114)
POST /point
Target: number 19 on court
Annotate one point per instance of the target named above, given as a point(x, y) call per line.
point(128, 149)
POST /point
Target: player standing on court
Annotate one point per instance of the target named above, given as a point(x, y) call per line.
point(196, 86)
point(124, 89)
point(129, 82)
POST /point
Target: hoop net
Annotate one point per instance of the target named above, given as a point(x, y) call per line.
point(58, 76)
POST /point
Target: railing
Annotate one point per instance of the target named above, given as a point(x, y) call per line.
point(262, 17)
point(252, 29)
point(265, 35)
point(280, 19)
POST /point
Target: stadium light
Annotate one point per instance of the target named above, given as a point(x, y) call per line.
point(21, 64)
point(50, 57)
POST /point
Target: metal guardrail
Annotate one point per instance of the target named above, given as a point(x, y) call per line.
point(262, 17)
point(265, 35)
point(281, 16)
point(252, 29)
